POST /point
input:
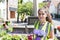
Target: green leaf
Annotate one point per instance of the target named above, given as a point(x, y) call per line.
point(41, 5)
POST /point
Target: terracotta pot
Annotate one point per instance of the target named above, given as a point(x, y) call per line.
point(58, 27)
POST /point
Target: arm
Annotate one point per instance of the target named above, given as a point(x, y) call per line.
point(51, 34)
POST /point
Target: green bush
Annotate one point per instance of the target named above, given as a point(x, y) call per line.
point(15, 37)
point(41, 5)
point(2, 33)
point(7, 37)
point(11, 37)
point(25, 8)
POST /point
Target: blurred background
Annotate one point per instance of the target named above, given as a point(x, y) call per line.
point(20, 15)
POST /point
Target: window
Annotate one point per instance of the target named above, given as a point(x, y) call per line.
point(4, 12)
point(59, 6)
point(0, 13)
point(2, 1)
point(12, 14)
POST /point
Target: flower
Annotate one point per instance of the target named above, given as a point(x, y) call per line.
point(39, 32)
point(38, 38)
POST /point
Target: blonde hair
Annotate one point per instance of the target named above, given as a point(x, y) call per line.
point(49, 17)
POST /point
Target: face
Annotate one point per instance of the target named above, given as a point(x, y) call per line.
point(42, 15)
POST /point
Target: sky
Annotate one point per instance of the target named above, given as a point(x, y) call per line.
point(39, 1)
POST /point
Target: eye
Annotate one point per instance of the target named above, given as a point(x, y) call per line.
point(42, 13)
point(39, 14)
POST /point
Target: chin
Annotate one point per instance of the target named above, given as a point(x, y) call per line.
point(41, 19)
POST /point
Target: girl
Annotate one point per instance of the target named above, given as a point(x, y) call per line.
point(45, 24)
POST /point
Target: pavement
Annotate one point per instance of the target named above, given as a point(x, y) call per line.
point(56, 22)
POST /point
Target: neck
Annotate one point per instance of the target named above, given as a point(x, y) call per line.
point(42, 22)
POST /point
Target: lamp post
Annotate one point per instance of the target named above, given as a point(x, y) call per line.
point(35, 7)
point(7, 8)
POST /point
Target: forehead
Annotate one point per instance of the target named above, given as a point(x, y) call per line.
point(41, 11)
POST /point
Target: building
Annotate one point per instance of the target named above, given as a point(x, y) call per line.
point(57, 5)
point(3, 9)
point(8, 9)
point(54, 7)
point(12, 9)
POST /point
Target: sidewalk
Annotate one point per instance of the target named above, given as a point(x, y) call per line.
point(56, 22)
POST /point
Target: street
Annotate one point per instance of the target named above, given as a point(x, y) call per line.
point(56, 22)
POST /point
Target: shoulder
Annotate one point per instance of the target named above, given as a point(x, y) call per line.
point(50, 24)
point(36, 23)
point(51, 27)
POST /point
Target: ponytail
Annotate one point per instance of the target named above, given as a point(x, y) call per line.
point(49, 18)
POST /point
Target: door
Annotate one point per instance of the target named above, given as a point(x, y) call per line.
point(12, 14)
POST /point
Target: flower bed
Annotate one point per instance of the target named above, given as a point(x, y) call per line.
point(17, 37)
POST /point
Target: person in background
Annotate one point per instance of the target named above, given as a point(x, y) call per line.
point(5, 26)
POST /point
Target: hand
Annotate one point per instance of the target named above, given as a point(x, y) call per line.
point(50, 39)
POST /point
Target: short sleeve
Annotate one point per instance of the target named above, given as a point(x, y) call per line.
point(51, 28)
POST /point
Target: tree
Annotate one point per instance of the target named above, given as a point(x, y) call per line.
point(41, 5)
point(24, 8)
point(19, 3)
point(29, 8)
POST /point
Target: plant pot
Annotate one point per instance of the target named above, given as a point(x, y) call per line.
point(58, 27)
point(59, 30)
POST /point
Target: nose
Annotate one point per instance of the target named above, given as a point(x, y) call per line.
point(40, 15)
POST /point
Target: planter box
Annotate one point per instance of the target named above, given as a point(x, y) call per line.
point(32, 20)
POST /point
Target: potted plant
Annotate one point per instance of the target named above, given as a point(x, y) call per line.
point(15, 37)
point(7, 37)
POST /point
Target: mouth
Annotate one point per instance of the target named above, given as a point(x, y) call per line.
point(41, 18)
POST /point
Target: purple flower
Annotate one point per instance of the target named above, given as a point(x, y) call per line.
point(39, 32)
point(36, 31)
point(38, 38)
